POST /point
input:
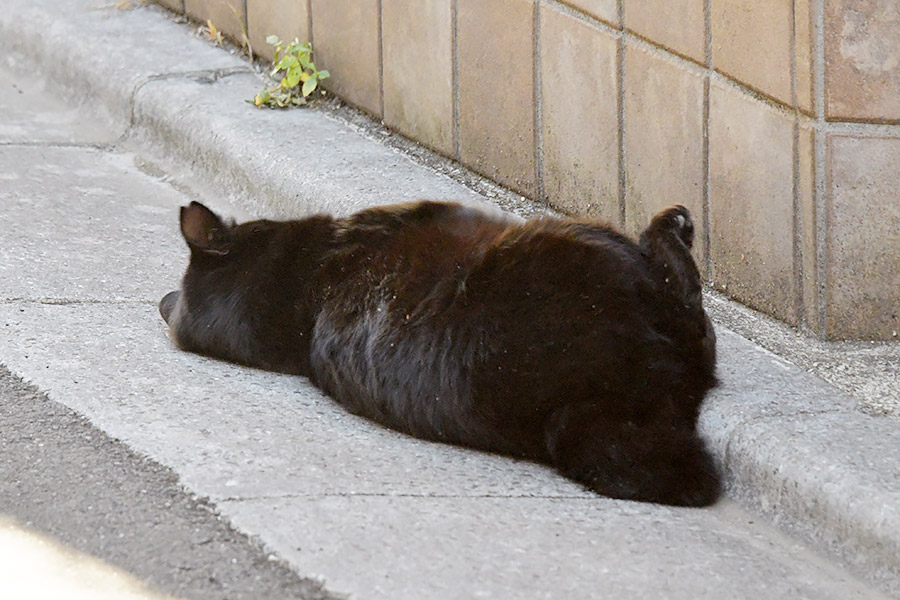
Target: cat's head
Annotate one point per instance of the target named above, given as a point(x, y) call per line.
point(219, 310)
point(248, 294)
point(206, 234)
point(210, 240)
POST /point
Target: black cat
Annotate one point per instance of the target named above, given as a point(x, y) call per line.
point(561, 341)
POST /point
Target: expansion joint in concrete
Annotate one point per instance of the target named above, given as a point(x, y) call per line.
point(328, 495)
point(77, 302)
point(105, 147)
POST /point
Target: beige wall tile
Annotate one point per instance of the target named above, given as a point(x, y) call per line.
point(663, 138)
point(803, 28)
point(751, 201)
point(496, 90)
point(346, 42)
point(679, 25)
point(751, 41)
point(418, 70)
point(288, 19)
point(862, 59)
point(604, 10)
point(806, 181)
point(580, 120)
point(863, 295)
point(221, 13)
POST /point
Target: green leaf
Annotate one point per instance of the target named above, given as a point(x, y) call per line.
point(298, 48)
point(309, 86)
point(293, 76)
point(262, 98)
point(286, 63)
point(292, 67)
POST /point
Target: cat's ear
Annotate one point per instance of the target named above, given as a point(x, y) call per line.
point(203, 230)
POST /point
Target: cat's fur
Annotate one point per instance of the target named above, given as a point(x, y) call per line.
point(561, 341)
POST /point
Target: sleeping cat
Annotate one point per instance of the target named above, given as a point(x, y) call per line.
point(556, 340)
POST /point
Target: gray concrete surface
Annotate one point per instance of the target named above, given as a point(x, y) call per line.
point(65, 479)
point(368, 511)
point(797, 450)
point(91, 196)
point(868, 371)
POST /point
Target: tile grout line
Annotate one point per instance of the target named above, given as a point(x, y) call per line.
point(862, 128)
point(607, 26)
point(454, 76)
point(620, 113)
point(819, 168)
point(796, 213)
point(706, 214)
point(538, 99)
point(381, 60)
point(246, 32)
point(309, 23)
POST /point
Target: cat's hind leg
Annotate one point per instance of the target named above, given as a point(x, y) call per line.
point(667, 245)
point(667, 242)
point(620, 459)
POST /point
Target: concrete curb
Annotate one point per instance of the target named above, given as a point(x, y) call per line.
point(796, 449)
point(793, 447)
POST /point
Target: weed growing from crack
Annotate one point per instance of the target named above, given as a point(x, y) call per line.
point(299, 76)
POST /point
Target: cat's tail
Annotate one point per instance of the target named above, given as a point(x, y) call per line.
point(654, 462)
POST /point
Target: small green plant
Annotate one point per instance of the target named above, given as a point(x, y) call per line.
point(299, 76)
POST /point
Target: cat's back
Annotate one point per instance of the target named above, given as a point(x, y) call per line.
point(410, 251)
point(573, 309)
point(420, 229)
point(430, 298)
point(565, 254)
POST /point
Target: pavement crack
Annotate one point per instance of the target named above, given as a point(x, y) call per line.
point(100, 146)
point(203, 76)
point(77, 301)
point(310, 496)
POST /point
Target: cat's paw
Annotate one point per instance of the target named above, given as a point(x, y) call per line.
point(676, 219)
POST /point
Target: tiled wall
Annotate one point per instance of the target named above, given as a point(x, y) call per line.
point(777, 122)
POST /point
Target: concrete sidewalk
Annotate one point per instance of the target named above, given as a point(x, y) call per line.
point(334, 495)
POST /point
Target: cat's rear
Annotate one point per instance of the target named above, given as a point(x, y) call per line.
point(557, 340)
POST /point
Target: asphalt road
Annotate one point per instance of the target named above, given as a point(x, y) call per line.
point(65, 479)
